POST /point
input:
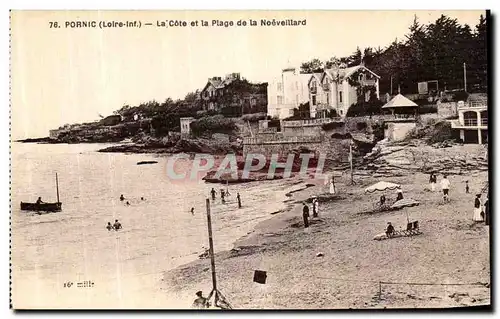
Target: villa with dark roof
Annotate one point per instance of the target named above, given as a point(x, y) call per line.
point(234, 92)
point(336, 89)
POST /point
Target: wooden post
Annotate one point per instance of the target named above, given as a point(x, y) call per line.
point(333, 182)
point(465, 78)
point(379, 290)
point(350, 162)
point(57, 188)
point(211, 248)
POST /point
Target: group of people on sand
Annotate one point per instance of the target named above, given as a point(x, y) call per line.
point(224, 194)
point(305, 211)
point(445, 186)
point(481, 211)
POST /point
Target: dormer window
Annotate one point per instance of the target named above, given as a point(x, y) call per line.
point(361, 77)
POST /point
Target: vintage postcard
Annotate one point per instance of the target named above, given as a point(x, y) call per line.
point(249, 160)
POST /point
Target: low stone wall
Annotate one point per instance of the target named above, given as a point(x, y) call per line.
point(282, 149)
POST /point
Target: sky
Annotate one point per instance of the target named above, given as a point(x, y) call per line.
point(71, 75)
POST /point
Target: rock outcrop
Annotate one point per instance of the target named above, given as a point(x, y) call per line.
point(395, 159)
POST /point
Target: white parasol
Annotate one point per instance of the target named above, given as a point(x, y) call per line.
point(382, 186)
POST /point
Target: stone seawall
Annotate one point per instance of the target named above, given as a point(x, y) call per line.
point(281, 148)
point(335, 150)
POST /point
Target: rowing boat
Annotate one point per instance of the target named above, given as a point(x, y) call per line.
point(43, 207)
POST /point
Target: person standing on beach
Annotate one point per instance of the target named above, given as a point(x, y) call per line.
point(315, 207)
point(222, 194)
point(332, 185)
point(478, 211)
point(467, 187)
point(487, 211)
point(445, 186)
point(122, 198)
point(433, 181)
point(239, 200)
point(109, 227)
point(213, 192)
point(192, 210)
point(305, 215)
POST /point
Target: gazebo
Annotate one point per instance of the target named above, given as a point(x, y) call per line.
point(401, 107)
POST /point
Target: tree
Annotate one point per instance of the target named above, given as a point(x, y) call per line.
point(313, 66)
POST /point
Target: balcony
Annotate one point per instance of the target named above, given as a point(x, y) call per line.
point(368, 82)
point(470, 124)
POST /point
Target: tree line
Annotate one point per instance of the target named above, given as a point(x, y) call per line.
point(429, 52)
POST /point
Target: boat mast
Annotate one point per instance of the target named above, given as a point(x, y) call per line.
point(57, 188)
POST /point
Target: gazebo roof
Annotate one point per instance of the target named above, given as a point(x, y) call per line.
point(399, 101)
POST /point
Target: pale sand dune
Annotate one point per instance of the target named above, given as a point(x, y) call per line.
point(450, 250)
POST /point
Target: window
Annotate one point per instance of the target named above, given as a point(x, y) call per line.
point(280, 100)
point(313, 98)
point(280, 86)
point(297, 99)
point(253, 102)
point(328, 99)
point(340, 96)
point(361, 76)
point(341, 112)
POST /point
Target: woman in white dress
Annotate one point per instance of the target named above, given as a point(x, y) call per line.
point(478, 217)
point(332, 186)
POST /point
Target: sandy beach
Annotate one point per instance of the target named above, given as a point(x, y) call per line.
point(452, 250)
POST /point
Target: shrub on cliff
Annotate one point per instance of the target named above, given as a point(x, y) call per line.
point(440, 132)
point(332, 126)
point(432, 132)
point(254, 117)
point(213, 124)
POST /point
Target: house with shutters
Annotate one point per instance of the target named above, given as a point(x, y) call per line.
point(336, 89)
point(234, 93)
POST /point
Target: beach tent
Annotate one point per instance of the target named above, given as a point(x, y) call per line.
point(406, 202)
point(382, 186)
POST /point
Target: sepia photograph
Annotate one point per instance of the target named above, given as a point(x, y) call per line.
point(250, 160)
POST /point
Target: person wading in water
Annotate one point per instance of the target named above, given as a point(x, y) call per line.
point(239, 200)
point(213, 192)
point(117, 225)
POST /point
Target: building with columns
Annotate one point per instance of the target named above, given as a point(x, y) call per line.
point(472, 120)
